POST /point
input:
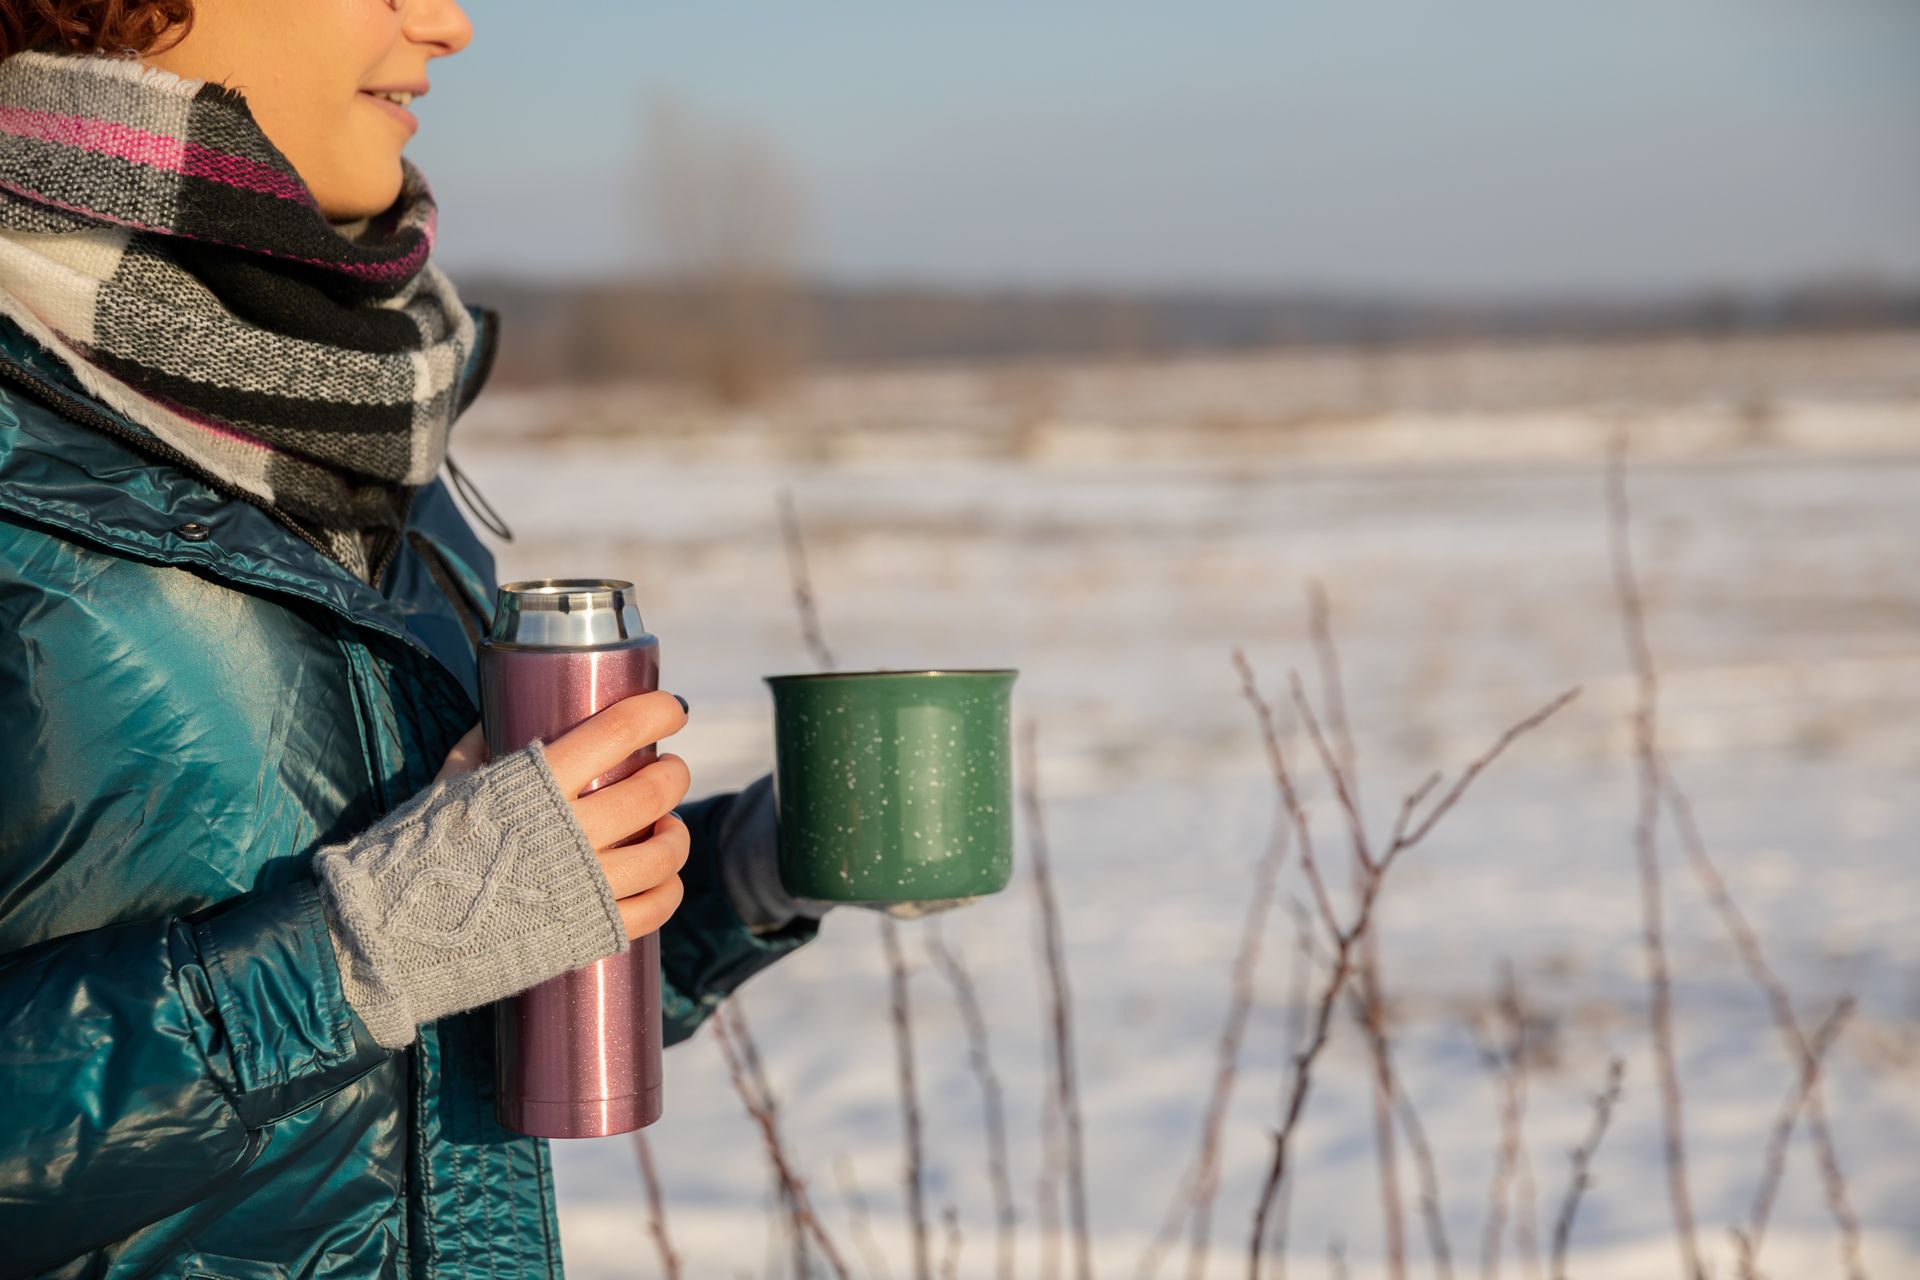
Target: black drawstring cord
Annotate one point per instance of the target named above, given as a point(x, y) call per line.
point(476, 502)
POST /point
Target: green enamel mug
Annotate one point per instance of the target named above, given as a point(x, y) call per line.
point(894, 786)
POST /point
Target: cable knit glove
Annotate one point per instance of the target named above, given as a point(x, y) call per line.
point(749, 857)
point(476, 889)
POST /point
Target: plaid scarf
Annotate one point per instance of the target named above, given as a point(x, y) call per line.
point(156, 241)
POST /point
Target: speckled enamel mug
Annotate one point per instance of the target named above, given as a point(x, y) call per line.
point(894, 786)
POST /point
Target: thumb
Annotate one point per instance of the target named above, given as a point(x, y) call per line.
point(467, 755)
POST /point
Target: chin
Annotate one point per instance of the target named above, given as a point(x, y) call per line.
point(363, 196)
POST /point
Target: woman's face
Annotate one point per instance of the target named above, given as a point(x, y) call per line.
point(306, 68)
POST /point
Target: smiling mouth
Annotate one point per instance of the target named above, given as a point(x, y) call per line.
point(393, 108)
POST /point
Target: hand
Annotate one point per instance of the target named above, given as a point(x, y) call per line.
point(644, 876)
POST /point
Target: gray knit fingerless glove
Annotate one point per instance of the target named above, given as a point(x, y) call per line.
point(749, 856)
point(476, 889)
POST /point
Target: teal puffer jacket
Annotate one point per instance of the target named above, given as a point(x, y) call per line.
point(192, 698)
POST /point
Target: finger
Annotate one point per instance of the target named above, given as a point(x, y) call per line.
point(466, 756)
point(636, 868)
point(610, 735)
point(613, 813)
point(644, 912)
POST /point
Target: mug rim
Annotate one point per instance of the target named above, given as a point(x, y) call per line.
point(796, 677)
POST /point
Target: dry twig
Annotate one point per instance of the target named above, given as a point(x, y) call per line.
point(1581, 1159)
point(915, 1163)
point(1193, 1200)
point(1747, 944)
point(980, 1057)
point(1747, 1242)
point(1408, 833)
point(1060, 1006)
point(802, 585)
point(1341, 762)
point(1299, 978)
point(950, 1260)
point(1429, 1184)
point(656, 1207)
point(770, 1137)
point(857, 1218)
point(1646, 846)
point(1506, 1062)
point(1053, 1163)
point(763, 1091)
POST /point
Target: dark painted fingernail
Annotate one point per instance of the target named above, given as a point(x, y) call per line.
point(682, 701)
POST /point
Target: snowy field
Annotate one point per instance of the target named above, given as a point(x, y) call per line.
point(1114, 533)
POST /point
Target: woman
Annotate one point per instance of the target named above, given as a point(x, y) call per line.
point(255, 895)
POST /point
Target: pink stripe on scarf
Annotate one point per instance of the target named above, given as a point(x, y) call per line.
point(156, 150)
point(212, 426)
point(373, 270)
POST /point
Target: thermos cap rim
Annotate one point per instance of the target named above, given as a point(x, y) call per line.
point(565, 613)
point(564, 594)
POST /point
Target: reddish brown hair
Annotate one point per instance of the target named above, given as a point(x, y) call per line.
point(91, 26)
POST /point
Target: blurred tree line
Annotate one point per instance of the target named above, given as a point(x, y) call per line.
point(723, 304)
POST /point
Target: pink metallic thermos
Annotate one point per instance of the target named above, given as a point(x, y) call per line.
point(577, 1056)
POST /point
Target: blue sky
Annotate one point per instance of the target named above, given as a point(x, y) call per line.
point(1413, 147)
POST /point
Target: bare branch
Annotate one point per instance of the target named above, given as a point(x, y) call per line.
point(1053, 1163)
point(913, 1170)
point(1060, 1006)
point(950, 1260)
point(1283, 779)
point(1332, 693)
point(1747, 1242)
point(1371, 1008)
point(1342, 766)
point(1409, 805)
point(1646, 835)
point(1581, 1159)
point(1344, 940)
point(770, 1137)
point(656, 1207)
point(1747, 944)
point(763, 1092)
point(1337, 1258)
point(1430, 1211)
point(1300, 977)
point(1473, 771)
point(1506, 1061)
point(979, 1056)
point(1349, 806)
point(857, 1217)
point(802, 584)
point(1193, 1201)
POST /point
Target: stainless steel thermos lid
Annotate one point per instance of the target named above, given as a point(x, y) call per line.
point(565, 613)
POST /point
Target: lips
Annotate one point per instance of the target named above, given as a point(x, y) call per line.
point(394, 109)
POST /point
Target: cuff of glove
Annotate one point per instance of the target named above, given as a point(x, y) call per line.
point(749, 857)
point(476, 889)
point(750, 868)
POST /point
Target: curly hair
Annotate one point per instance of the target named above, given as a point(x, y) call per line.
point(91, 26)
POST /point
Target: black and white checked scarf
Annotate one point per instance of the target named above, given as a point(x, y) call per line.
point(155, 240)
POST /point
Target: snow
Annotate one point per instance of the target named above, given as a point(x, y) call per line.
point(1115, 544)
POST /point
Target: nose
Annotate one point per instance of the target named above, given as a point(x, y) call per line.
point(441, 22)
